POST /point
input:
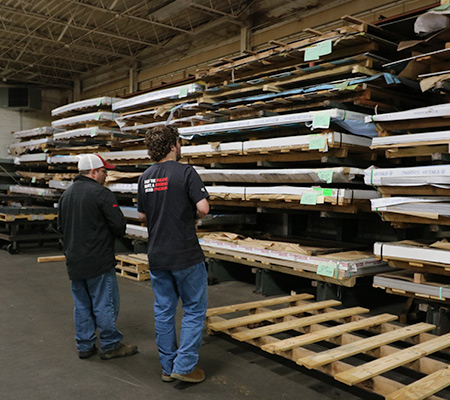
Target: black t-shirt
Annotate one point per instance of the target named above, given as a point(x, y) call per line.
point(167, 194)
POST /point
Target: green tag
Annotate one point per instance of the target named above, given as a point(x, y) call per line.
point(183, 92)
point(321, 121)
point(40, 193)
point(327, 192)
point(351, 87)
point(33, 179)
point(317, 142)
point(326, 175)
point(320, 49)
point(309, 199)
point(326, 269)
point(442, 7)
point(341, 86)
point(93, 131)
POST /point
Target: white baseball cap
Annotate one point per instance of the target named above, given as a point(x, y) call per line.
point(93, 161)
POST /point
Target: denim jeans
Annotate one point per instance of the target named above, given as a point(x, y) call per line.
point(96, 303)
point(191, 285)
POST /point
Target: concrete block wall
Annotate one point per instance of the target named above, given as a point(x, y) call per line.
point(12, 121)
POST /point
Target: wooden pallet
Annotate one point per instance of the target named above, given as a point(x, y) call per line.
point(398, 220)
point(27, 217)
point(424, 267)
point(133, 266)
point(353, 339)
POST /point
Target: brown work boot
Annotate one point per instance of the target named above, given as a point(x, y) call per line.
point(166, 378)
point(196, 376)
point(124, 350)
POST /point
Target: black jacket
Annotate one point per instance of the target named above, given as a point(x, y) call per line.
point(90, 219)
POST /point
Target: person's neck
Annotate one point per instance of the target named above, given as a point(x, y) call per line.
point(172, 156)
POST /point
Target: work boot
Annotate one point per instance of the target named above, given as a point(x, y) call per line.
point(88, 353)
point(196, 376)
point(166, 378)
point(124, 350)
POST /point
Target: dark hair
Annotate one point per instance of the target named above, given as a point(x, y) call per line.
point(159, 141)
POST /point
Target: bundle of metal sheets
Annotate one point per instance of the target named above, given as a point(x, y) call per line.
point(37, 191)
point(315, 195)
point(437, 253)
point(440, 110)
point(36, 132)
point(402, 283)
point(143, 100)
point(286, 175)
point(301, 142)
point(83, 105)
point(86, 132)
point(349, 120)
point(98, 118)
point(435, 175)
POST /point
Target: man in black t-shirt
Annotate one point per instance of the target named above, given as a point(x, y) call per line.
point(171, 197)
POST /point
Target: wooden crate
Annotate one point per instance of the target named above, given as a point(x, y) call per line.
point(133, 266)
point(364, 350)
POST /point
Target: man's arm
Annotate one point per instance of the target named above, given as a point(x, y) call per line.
point(142, 217)
point(202, 208)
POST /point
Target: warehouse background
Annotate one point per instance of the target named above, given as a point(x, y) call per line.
point(80, 50)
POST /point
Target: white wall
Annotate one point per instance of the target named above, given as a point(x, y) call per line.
point(12, 121)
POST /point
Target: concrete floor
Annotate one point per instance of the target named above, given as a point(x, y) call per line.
point(38, 358)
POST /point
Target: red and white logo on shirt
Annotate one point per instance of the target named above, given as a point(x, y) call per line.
point(155, 184)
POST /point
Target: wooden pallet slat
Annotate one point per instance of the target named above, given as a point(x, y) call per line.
point(424, 387)
point(388, 363)
point(327, 333)
point(256, 304)
point(297, 323)
point(253, 319)
point(363, 345)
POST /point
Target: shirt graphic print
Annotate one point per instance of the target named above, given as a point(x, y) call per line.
point(155, 184)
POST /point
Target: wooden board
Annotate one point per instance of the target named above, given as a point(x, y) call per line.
point(398, 220)
point(51, 259)
point(388, 345)
point(424, 387)
point(398, 359)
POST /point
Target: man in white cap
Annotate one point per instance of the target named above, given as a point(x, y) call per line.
point(90, 220)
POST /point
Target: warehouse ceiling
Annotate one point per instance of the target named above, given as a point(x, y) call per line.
point(54, 42)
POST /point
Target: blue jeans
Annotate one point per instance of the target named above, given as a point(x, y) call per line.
point(96, 303)
point(191, 285)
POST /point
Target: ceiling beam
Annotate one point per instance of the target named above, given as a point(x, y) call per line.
point(127, 14)
point(93, 50)
point(68, 69)
point(90, 30)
